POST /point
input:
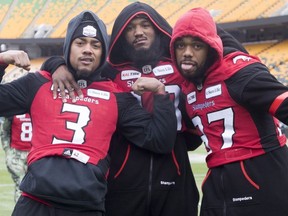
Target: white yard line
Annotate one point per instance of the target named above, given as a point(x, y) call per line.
point(197, 157)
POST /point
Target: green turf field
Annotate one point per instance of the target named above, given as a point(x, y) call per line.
point(7, 187)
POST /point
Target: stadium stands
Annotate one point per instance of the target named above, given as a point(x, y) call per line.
point(274, 55)
point(35, 65)
point(19, 18)
point(24, 19)
point(60, 29)
point(251, 9)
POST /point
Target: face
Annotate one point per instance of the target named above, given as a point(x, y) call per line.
point(191, 55)
point(140, 33)
point(85, 55)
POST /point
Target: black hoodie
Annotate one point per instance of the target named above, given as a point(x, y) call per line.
point(84, 17)
point(152, 184)
point(68, 162)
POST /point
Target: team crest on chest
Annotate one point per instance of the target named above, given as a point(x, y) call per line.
point(163, 70)
point(98, 94)
point(191, 97)
point(82, 83)
point(213, 91)
point(130, 74)
point(147, 69)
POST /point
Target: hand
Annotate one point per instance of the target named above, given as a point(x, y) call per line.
point(62, 80)
point(143, 84)
point(18, 58)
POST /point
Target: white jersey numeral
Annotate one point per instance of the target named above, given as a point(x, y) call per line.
point(82, 121)
point(175, 91)
point(227, 117)
point(26, 132)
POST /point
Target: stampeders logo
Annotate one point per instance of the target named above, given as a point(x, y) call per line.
point(204, 105)
point(242, 57)
point(89, 31)
point(241, 199)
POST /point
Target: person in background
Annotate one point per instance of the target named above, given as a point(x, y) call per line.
point(16, 134)
point(15, 144)
point(234, 102)
point(69, 161)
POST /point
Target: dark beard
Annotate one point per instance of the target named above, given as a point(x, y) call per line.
point(143, 56)
point(83, 74)
point(198, 77)
point(200, 74)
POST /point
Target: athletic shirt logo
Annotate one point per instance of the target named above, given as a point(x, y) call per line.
point(213, 91)
point(163, 70)
point(147, 69)
point(191, 97)
point(130, 74)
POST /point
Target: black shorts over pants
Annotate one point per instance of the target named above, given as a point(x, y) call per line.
point(256, 186)
point(29, 207)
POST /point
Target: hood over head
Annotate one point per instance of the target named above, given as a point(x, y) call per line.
point(86, 24)
point(116, 55)
point(198, 22)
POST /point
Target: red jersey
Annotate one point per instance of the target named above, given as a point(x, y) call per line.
point(76, 124)
point(222, 116)
point(70, 141)
point(21, 132)
point(164, 72)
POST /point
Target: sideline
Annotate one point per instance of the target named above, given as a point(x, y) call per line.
point(197, 157)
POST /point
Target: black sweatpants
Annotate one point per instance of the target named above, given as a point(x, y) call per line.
point(257, 186)
point(29, 207)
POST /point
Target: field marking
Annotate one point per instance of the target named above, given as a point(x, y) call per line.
point(6, 185)
point(196, 157)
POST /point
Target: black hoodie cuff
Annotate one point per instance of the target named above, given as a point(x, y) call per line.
point(52, 63)
point(2, 70)
point(230, 43)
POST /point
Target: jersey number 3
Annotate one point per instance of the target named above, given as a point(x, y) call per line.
point(78, 126)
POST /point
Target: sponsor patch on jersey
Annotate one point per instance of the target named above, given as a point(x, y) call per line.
point(213, 91)
point(191, 97)
point(147, 69)
point(98, 94)
point(130, 74)
point(241, 57)
point(163, 70)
